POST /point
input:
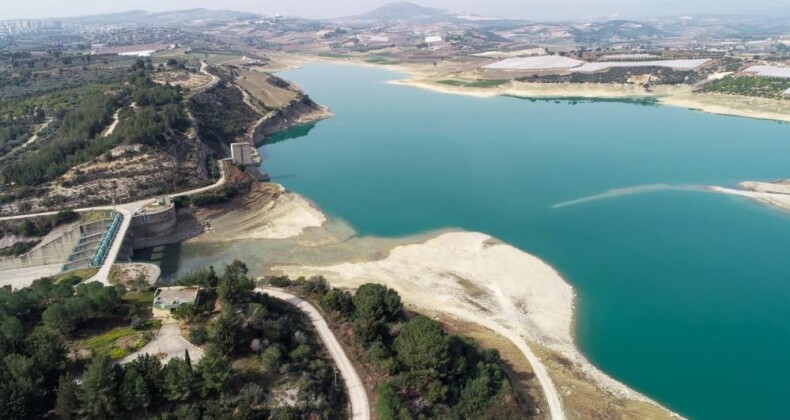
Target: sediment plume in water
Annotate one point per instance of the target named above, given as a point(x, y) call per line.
point(620, 192)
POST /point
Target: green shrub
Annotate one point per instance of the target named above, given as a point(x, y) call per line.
point(198, 335)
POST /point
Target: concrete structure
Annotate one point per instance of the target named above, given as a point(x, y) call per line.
point(786, 93)
point(167, 299)
point(53, 252)
point(126, 212)
point(433, 39)
point(153, 224)
point(93, 237)
point(74, 248)
point(241, 153)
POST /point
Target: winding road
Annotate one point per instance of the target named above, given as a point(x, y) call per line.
point(360, 408)
point(214, 79)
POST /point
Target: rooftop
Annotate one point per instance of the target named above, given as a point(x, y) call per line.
point(171, 297)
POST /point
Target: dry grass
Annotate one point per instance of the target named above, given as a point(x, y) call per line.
point(261, 87)
point(182, 78)
point(134, 274)
point(582, 399)
point(95, 216)
point(83, 273)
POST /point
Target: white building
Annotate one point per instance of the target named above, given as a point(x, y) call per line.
point(433, 39)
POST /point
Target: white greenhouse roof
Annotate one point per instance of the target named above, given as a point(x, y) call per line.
point(546, 62)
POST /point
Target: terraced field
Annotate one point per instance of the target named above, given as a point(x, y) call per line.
point(270, 91)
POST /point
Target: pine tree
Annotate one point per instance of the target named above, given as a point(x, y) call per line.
point(226, 331)
point(134, 393)
point(235, 287)
point(179, 380)
point(215, 370)
point(187, 359)
point(67, 405)
point(98, 393)
point(151, 370)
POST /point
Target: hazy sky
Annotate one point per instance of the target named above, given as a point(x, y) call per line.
point(529, 9)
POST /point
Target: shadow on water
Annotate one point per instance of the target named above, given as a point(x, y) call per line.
point(647, 101)
point(278, 178)
point(166, 257)
point(290, 134)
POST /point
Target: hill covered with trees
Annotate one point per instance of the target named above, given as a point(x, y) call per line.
point(420, 370)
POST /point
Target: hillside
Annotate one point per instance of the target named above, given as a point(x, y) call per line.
point(614, 31)
point(405, 12)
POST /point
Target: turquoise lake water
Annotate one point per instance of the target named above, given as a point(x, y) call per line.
point(684, 295)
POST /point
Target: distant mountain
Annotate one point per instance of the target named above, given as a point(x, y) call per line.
point(615, 30)
point(404, 12)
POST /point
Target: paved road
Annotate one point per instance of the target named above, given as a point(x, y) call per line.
point(169, 342)
point(133, 205)
point(360, 408)
point(126, 211)
point(18, 278)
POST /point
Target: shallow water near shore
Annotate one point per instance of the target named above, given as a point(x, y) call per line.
point(683, 295)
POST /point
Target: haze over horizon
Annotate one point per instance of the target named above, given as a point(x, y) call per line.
point(525, 9)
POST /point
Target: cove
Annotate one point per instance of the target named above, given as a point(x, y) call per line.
point(683, 295)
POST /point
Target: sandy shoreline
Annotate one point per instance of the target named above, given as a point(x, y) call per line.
point(426, 77)
point(718, 104)
point(467, 275)
point(476, 278)
point(269, 211)
point(772, 194)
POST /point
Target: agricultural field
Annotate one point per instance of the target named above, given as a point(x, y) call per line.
point(183, 79)
point(750, 86)
point(272, 92)
point(380, 59)
point(487, 83)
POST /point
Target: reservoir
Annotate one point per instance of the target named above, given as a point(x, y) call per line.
point(683, 295)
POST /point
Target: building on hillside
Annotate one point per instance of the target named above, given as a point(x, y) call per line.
point(168, 299)
point(432, 39)
point(241, 153)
